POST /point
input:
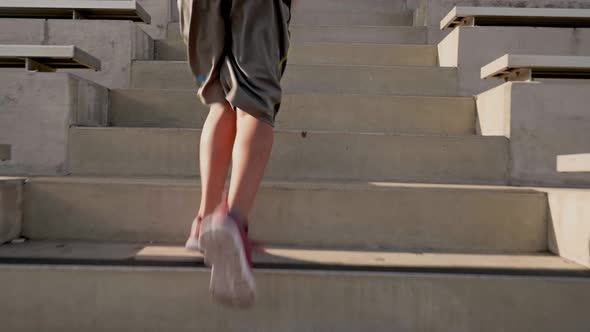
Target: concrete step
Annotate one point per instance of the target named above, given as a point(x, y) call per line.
point(298, 155)
point(417, 81)
point(138, 254)
point(324, 297)
point(393, 114)
point(363, 54)
point(331, 54)
point(405, 217)
point(358, 34)
point(351, 5)
point(334, 33)
point(367, 16)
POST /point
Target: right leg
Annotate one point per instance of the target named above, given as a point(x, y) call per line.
point(217, 141)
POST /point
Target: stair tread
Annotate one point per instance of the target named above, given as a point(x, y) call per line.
point(293, 66)
point(277, 183)
point(294, 131)
point(59, 252)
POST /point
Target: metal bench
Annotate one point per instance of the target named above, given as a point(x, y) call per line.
point(75, 9)
point(5, 153)
point(512, 67)
point(573, 163)
point(46, 58)
point(510, 16)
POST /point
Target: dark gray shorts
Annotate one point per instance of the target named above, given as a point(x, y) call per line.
point(237, 51)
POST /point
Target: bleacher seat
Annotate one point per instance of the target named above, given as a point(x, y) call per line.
point(511, 67)
point(46, 58)
point(510, 16)
point(75, 9)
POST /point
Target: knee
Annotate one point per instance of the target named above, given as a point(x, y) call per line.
point(222, 112)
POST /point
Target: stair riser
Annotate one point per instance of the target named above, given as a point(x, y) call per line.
point(417, 81)
point(343, 216)
point(151, 299)
point(331, 53)
point(351, 5)
point(297, 155)
point(362, 54)
point(367, 17)
point(358, 34)
point(411, 115)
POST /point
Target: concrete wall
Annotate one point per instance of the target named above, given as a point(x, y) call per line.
point(471, 48)
point(570, 224)
point(161, 12)
point(542, 120)
point(431, 12)
point(11, 208)
point(36, 110)
point(115, 43)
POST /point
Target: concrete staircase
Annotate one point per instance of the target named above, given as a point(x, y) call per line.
point(382, 209)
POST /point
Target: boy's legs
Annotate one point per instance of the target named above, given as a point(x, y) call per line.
point(226, 133)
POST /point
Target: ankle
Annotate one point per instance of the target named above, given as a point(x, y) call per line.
point(239, 219)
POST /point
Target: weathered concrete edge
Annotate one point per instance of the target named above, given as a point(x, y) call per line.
point(11, 208)
point(569, 229)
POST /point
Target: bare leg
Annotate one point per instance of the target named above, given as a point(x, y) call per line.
point(252, 148)
point(217, 140)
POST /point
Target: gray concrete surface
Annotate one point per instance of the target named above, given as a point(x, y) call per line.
point(512, 16)
point(46, 57)
point(520, 67)
point(542, 120)
point(431, 12)
point(569, 228)
point(18, 31)
point(390, 114)
point(114, 43)
point(5, 152)
point(161, 13)
point(367, 16)
point(173, 48)
point(298, 155)
point(36, 111)
point(78, 9)
point(363, 54)
point(11, 208)
point(471, 48)
point(330, 53)
point(573, 163)
point(352, 5)
point(418, 81)
point(358, 34)
point(405, 217)
point(316, 259)
point(155, 299)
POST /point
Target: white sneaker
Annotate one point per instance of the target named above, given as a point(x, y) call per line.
point(227, 249)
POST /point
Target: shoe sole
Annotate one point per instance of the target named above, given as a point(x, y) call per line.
point(232, 282)
point(192, 245)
